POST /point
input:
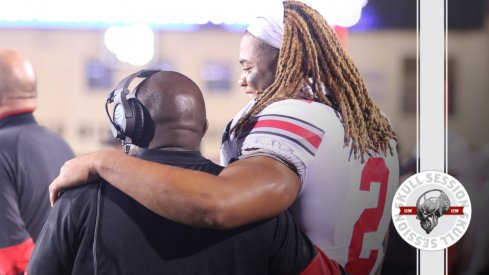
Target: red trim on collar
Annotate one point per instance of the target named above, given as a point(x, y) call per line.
point(17, 112)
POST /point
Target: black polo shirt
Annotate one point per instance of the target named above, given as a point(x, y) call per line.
point(30, 158)
point(130, 239)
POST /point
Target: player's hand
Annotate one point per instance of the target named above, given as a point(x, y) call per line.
point(77, 171)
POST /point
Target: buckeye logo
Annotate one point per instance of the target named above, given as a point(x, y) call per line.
point(431, 210)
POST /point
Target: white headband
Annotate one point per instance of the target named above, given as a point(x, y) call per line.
point(269, 26)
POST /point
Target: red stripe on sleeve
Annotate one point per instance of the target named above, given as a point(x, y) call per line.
point(14, 259)
point(311, 137)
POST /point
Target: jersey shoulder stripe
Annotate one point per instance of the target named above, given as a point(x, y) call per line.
point(305, 134)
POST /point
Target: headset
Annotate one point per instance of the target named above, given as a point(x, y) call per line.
point(127, 120)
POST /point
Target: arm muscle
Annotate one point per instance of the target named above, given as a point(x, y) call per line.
point(247, 190)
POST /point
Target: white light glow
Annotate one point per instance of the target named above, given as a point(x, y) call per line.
point(133, 44)
point(343, 13)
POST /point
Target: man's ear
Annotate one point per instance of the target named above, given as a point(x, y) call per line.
point(206, 127)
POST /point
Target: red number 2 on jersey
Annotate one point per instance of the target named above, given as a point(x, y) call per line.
point(374, 170)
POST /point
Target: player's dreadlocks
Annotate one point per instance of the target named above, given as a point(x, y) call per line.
point(311, 54)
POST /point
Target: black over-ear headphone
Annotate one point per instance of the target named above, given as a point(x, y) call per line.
point(127, 120)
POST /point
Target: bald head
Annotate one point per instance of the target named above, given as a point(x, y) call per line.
point(176, 106)
point(17, 77)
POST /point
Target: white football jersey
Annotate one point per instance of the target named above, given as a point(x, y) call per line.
point(344, 204)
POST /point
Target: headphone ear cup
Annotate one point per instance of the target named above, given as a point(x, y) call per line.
point(118, 121)
point(137, 132)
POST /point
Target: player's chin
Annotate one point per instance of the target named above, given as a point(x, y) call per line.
point(251, 93)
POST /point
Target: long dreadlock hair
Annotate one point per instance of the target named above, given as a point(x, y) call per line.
point(312, 55)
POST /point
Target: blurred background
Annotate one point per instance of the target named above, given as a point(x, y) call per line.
point(82, 49)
